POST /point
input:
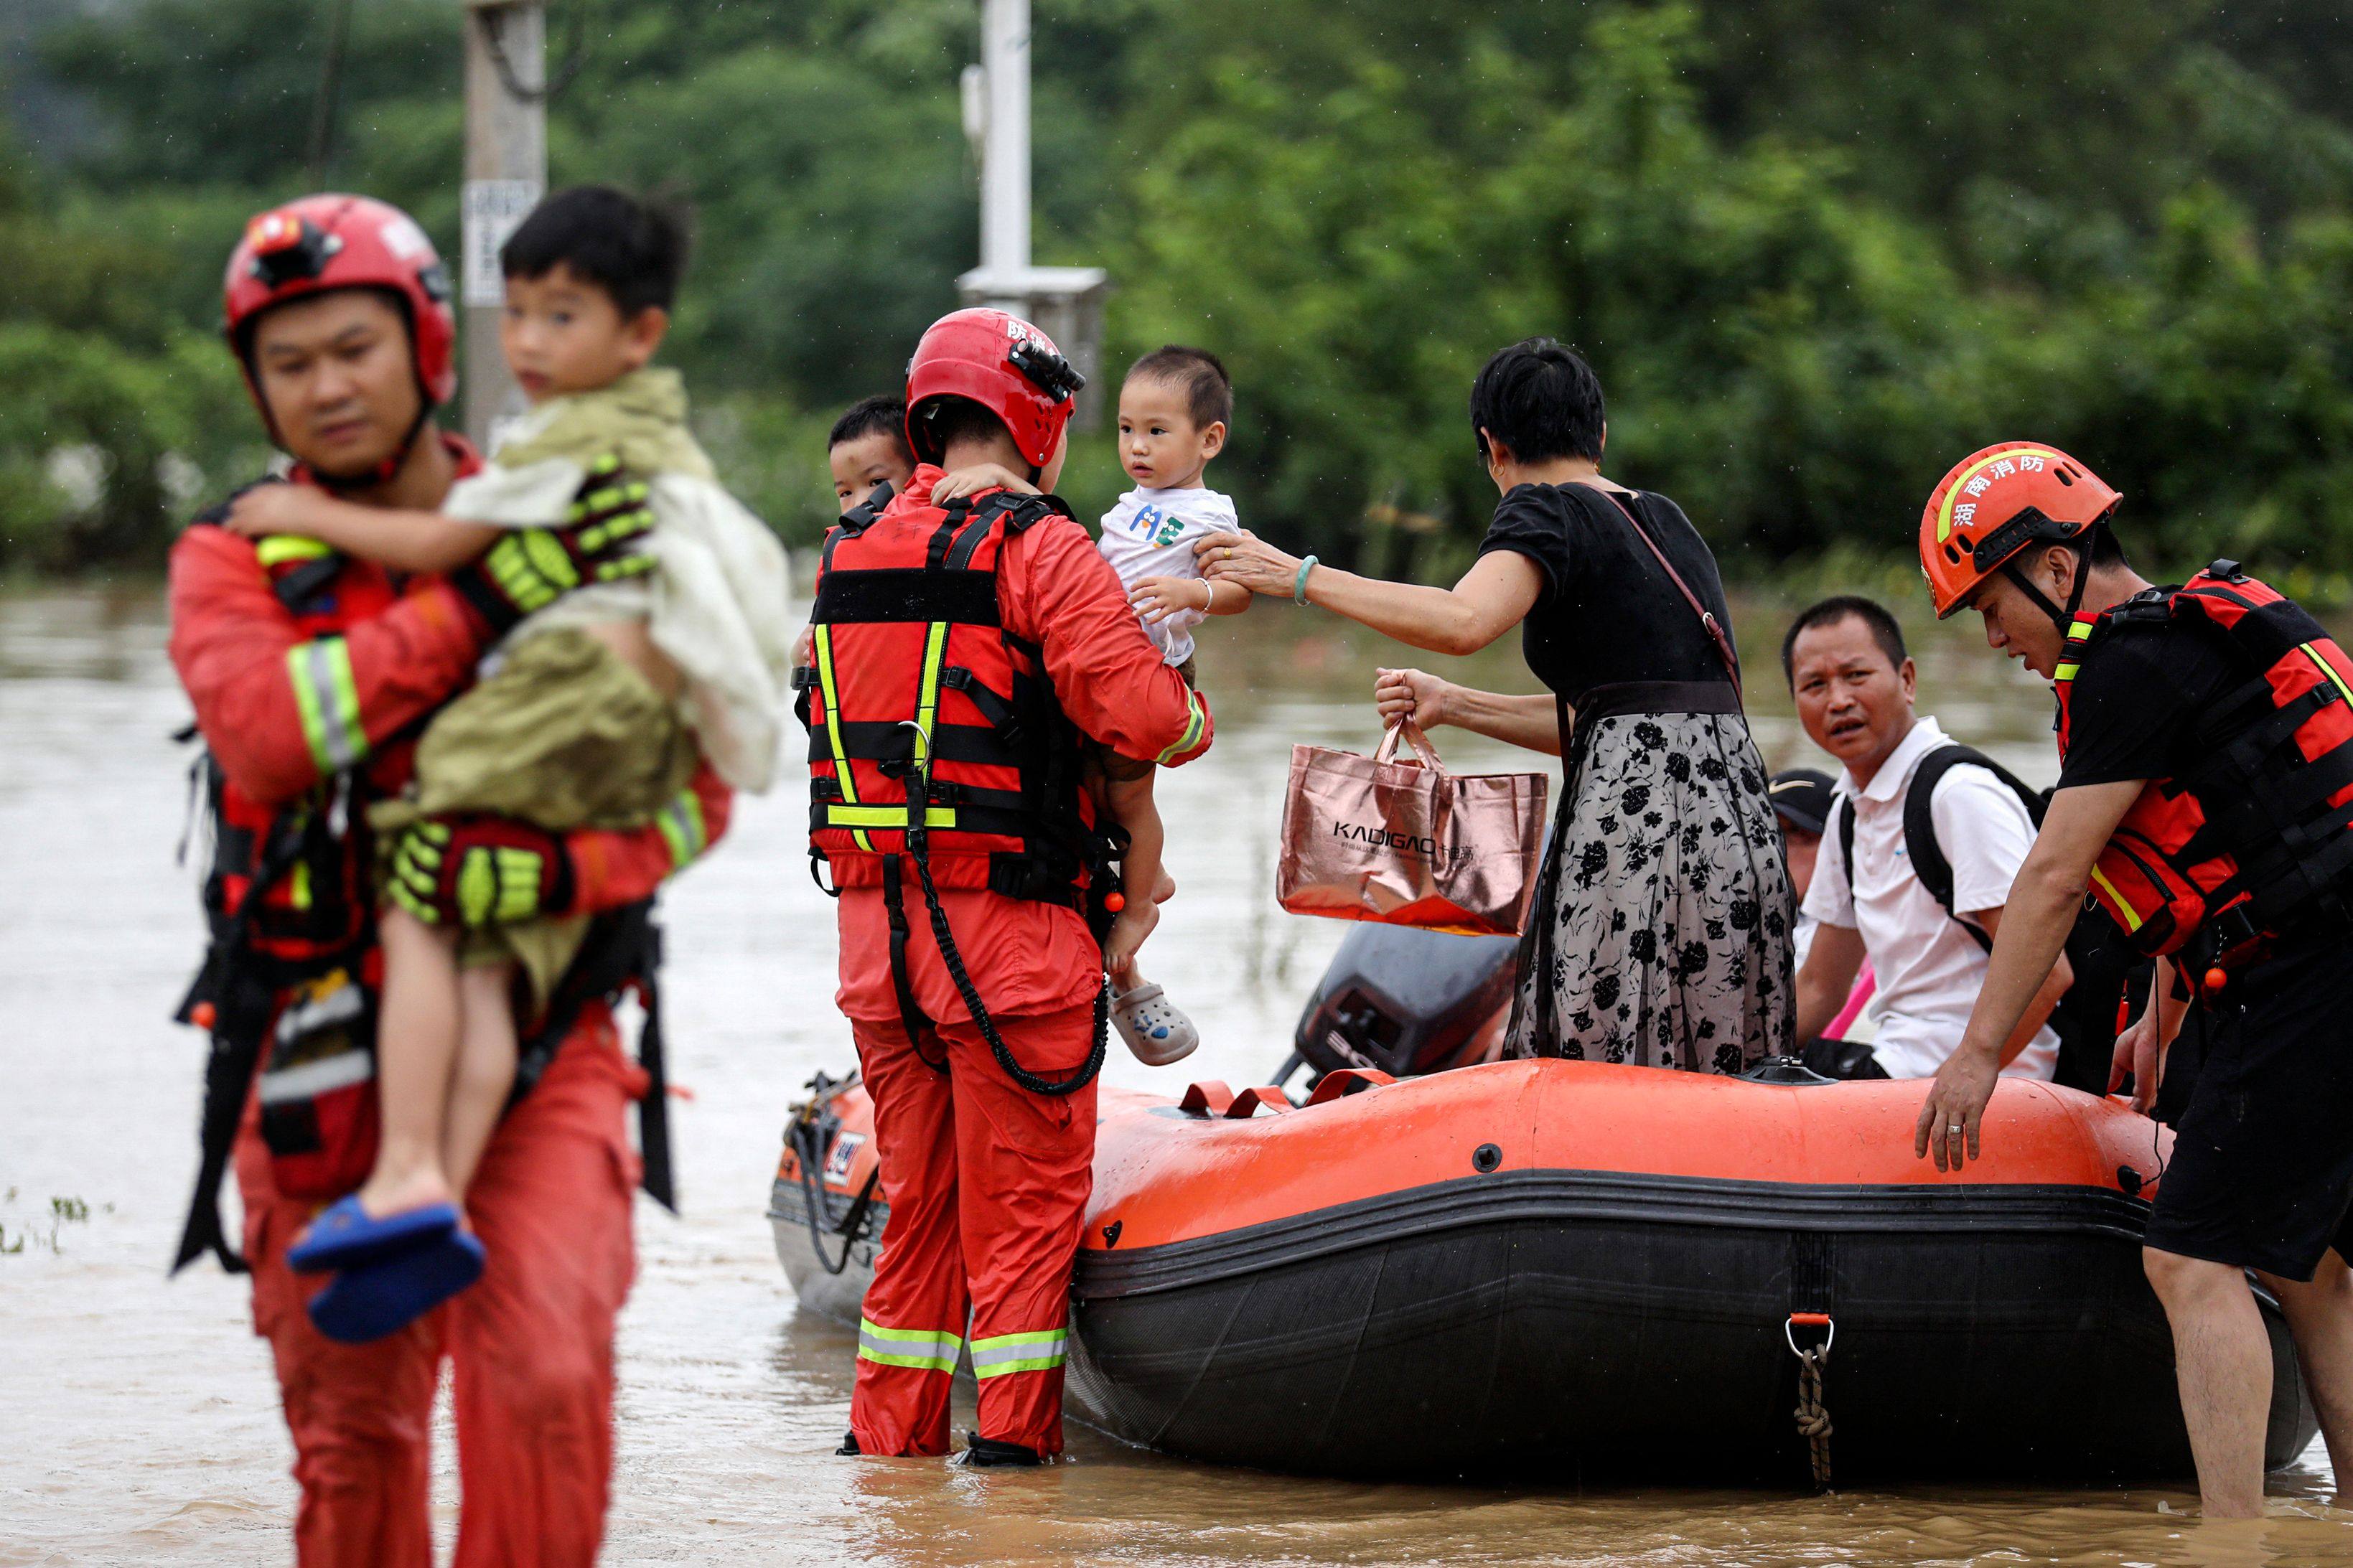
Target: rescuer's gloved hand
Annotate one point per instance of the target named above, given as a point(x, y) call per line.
point(479, 870)
point(531, 568)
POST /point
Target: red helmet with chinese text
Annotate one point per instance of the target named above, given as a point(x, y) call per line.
point(1001, 363)
point(1995, 503)
point(320, 244)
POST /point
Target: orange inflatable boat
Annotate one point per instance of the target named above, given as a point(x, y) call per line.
point(1578, 1270)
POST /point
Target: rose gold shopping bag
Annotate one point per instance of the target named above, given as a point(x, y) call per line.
point(1372, 838)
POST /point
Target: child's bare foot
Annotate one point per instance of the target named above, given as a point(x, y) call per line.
point(396, 1192)
point(1128, 930)
point(1164, 889)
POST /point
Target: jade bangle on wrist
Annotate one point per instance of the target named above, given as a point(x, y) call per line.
point(1299, 588)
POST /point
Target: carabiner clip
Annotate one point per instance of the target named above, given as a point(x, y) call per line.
point(1813, 1320)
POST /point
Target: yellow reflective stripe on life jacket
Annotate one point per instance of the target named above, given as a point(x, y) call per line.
point(277, 549)
point(822, 636)
point(1195, 716)
point(892, 818)
point(328, 699)
point(927, 691)
point(2076, 634)
point(682, 827)
point(1952, 492)
point(2327, 670)
point(2133, 920)
point(997, 1354)
point(926, 1350)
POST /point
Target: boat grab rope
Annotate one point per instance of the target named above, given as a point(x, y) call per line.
point(1813, 1417)
point(852, 1229)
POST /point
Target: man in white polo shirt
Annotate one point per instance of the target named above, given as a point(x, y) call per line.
point(1875, 886)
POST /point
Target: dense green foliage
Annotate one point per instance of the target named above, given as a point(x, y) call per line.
point(1817, 249)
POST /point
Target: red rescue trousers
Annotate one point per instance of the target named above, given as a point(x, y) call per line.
point(987, 1183)
point(531, 1344)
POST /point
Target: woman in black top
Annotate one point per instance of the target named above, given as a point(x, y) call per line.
point(1664, 923)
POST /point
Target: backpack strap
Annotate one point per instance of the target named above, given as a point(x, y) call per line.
point(1845, 809)
point(1929, 862)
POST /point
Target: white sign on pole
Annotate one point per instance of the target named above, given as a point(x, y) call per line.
point(492, 210)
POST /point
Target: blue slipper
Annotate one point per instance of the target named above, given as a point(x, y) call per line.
point(345, 1235)
point(378, 1298)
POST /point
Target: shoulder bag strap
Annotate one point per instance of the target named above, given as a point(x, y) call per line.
point(1706, 616)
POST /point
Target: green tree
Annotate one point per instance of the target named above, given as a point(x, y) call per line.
point(1817, 248)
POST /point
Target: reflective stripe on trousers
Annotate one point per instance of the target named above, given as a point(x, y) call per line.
point(926, 1350)
point(1001, 1354)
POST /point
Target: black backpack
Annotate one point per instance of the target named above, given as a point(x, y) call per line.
point(2107, 971)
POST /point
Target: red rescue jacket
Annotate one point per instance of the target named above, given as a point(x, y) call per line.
point(2262, 831)
point(985, 641)
point(311, 674)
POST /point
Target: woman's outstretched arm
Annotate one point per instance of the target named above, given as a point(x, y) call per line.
point(1530, 722)
point(1493, 597)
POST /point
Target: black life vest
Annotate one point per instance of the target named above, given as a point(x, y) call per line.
point(2260, 832)
point(915, 674)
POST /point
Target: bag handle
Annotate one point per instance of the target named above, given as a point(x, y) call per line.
point(1706, 616)
point(1411, 733)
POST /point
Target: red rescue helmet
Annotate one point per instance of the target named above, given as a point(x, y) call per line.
point(1996, 502)
point(319, 243)
point(1001, 363)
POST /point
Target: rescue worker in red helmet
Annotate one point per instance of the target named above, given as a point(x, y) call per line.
point(2205, 801)
point(310, 673)
point(962, 653)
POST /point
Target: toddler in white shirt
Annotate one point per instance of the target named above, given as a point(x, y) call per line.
point(1173, 411)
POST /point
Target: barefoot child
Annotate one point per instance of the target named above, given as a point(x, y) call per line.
point(595, 713)
point(1174, 408)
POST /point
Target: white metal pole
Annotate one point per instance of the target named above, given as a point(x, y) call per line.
point(1005, 157)
point(506, 175)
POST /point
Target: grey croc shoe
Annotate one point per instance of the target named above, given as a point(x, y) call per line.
point(1153, 1029)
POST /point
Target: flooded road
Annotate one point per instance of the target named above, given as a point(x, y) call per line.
point(138, 1422)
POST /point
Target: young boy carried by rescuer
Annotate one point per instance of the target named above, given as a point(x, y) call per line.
point(594, 713)
point(1174, 410)
point(868, 446)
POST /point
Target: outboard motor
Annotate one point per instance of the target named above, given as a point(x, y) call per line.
point(1404, 1001)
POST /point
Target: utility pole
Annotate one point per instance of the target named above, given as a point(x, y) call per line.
point(506, 175)
point(1005, 140)
point(1066, 302)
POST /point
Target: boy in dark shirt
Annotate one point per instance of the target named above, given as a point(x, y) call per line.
point(2205, 800)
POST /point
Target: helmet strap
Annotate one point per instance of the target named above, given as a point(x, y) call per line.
point(2089, 542)
point(2059, 617)
point(381, 473)
point(2064, 619)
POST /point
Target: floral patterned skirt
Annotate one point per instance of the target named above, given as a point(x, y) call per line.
point(1662, 929)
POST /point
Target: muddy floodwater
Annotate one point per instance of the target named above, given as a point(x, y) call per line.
point(138, 1418)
